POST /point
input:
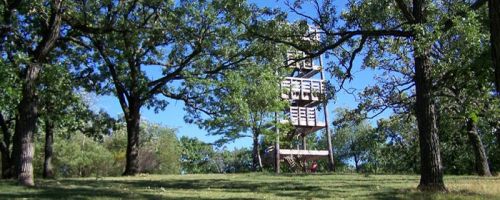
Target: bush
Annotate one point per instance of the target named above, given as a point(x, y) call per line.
point(80, 155)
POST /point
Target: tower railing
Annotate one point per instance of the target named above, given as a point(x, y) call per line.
point(294, 88)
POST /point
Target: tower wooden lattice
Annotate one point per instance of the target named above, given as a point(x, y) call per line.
point(305, 92)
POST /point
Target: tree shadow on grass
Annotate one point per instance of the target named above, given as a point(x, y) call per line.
point(236, 188)
point(279, 188)
point(404, 194)
point(289, 189)
point(127, 189)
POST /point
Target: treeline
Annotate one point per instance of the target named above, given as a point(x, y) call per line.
point(391, 146)
point(388, 148)
point(77, 154)
point(80, 154)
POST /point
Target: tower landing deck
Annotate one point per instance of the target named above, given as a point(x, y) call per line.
point(304, 154)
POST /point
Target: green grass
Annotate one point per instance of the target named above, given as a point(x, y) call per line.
point(252, 186)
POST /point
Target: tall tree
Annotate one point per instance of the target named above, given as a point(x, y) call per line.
point(247, 103)
point(466, 97)
point(375, 24)
point(494, 13)
point(405, 28)
point(55, 82)
point(354, 140)
point(190, 42)
point(30, 39)
point(197, 156)
point(400, 151)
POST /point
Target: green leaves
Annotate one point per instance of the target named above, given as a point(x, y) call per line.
point(244, 99)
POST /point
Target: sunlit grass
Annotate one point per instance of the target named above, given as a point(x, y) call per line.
point(253, 186)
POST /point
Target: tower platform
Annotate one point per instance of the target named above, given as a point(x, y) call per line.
point(300, 154)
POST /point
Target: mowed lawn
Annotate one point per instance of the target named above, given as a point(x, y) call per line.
point(252, 186)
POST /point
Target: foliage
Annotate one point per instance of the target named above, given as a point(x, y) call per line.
point(399, 152)
point(246, 101)
point(9, 88)
point(192, 44)
point(200, 157)
point(465, 96)
point(82, 155)
point(159, 150)
point(356, 142)
point(197, 156)
point(190, 48)
point(235, 161)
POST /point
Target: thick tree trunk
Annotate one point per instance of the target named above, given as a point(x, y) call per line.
point(49, 140)
point(482, 166)
point(494, 12)
point(23, 149)
point(26, 127)
point(256, 162)
point(133, 129)
point(431, 169)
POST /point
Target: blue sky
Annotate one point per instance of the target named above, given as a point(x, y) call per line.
point(173, 115)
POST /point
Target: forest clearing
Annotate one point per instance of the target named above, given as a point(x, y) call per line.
point(250, 99)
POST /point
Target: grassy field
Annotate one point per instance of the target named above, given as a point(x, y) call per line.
point(252, 186)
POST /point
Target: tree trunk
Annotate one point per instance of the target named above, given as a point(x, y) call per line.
point(260, 159)
point(133, 129)
point(494, 12)
point(23, 149)
point(482, 166)
point(304, 147)
point(256, 163)
point(431, 170)
point(356, 163)
point(49, 140)
point(16, 152)
point(4, 148)
point(26, 127)
point(6, 166)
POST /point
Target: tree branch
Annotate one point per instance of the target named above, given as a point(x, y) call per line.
point(52, 31)
point(183, 97)
point(121, 92)
point(159, 83)
point(405, 10)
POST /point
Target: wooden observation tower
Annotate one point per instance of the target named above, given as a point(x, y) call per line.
point(305, 90)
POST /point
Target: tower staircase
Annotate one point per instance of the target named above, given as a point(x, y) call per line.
point(305, 91)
